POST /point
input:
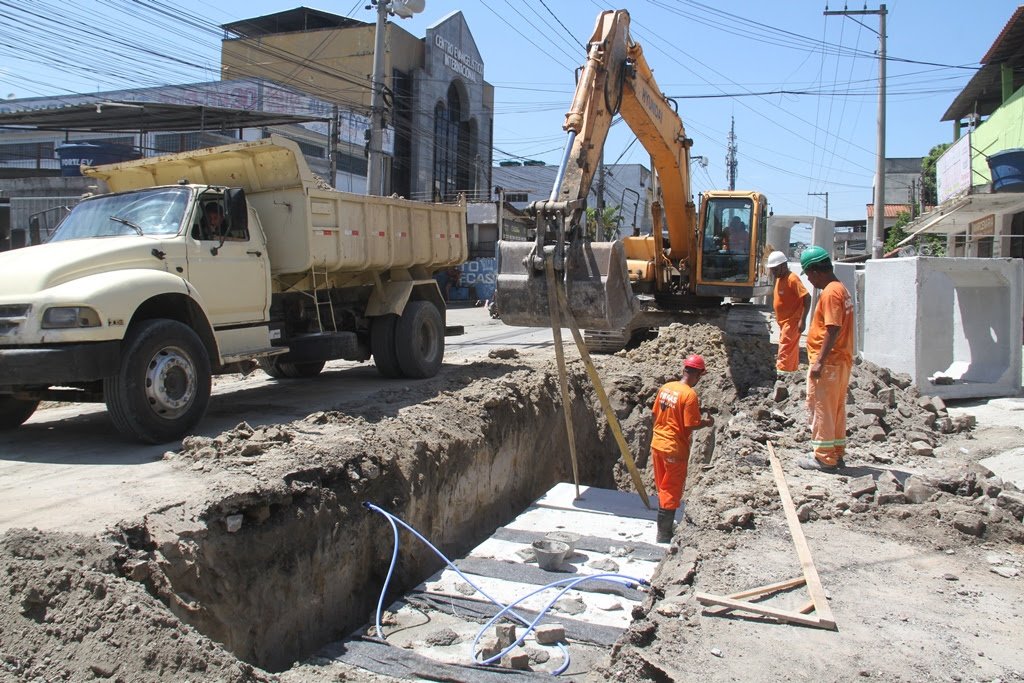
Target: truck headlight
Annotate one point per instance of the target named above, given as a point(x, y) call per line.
point(62, 317)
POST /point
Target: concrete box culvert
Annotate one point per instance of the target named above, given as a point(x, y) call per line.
point(308, 561)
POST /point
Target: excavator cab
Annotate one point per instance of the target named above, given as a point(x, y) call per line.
point(733, 226)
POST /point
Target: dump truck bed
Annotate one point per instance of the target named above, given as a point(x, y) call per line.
point(305, 224)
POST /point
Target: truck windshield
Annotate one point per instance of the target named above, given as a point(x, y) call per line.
point(146, 212)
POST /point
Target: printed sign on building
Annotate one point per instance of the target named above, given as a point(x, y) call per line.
point(953, 170)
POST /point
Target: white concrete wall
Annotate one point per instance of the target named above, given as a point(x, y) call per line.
point(958, 317)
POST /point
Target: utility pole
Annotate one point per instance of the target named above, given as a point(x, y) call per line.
point(821, 194)
point(730, 155)
point(878, 224)
point(375, 156)
point(375, 150)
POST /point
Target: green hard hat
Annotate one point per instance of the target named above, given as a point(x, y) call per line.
point(812, 255)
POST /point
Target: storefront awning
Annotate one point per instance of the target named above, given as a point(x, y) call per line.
point(955, 216)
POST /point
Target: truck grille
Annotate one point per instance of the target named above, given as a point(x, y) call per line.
point(12, 316)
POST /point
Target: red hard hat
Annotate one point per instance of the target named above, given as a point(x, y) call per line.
point(695, 361)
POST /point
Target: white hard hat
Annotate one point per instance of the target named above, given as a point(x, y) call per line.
point(776, 258)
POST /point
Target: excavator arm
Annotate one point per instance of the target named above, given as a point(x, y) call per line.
point(617, 80)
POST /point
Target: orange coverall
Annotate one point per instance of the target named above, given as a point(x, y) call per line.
point(789, 311)
point(676, 413)
point(826, 396)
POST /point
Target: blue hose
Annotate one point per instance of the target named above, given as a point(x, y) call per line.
point(570, 583)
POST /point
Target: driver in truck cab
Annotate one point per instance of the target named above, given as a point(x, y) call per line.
point(212, 221)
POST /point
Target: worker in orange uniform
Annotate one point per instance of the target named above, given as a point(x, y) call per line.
point(792, 303)
point(676, 415)
point(830, 353)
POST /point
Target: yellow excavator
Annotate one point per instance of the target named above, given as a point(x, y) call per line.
point(615, 289)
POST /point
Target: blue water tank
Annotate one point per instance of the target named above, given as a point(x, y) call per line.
point(1007, 169)
point(74, 155)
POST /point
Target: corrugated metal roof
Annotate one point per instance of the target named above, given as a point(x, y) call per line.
point(983, 93)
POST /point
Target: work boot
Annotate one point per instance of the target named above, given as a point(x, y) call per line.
point(665, 519)
point(809, 462)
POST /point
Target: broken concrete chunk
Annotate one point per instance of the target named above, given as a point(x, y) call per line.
point(816, 493)
point(862, 485)
point(875, 433)
point(992, 487)
point(668, 609)
point(901, 379)
point(1012, 502)
point(925, 403)
point(922, 448)
point(873, 409)
point(604, 564)
point(806, 512)
point(780, 393)
point(970, 523)
point(887, 397)
point(489, 647)
point(921, 436)
point(516, 660)
point(607, 603)
point(944, 425)
point(938, 404)
point(1005, 572)
point(888, 479)
point(233, 523)
point(735, 517)
point(549, 634)
point(506, 634)
point(570, 606)
point(891, 498)
point(443, 637)
point(918, 490)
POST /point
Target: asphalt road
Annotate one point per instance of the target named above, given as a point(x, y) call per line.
point(67, 469)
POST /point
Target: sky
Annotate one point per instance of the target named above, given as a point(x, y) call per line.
point(800, 86)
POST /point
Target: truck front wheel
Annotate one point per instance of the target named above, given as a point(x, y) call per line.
point(14, 411)
point(163, 386)
point(419, 340)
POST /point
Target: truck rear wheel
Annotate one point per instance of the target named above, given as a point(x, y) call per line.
point(382, 345)
point(163, 386)
point(14, 411)
point(282, 370)
point(419, 340)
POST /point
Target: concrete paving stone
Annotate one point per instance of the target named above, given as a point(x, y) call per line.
point(862, 485)
point(888, 479)
point(875, 433)
point(926, 403)
point(549, 634)
point(506, 634)
point(938, 404)
point(922, 448)
point(887, 397)
point(891, 498)
point(1012, 502)
point(516, 660)
point(873, 409)
point(489, 647)
point(921, 436)
point(970, 523)
point(780, 393)
point(917, 490)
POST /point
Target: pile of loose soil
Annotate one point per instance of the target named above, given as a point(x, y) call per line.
point(67, 614)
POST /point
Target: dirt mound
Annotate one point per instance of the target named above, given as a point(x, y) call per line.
point(66, 613)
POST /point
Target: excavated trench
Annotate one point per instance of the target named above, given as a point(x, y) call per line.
point(276, 572)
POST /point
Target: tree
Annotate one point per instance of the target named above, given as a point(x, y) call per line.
point(607, 222)
point(926, 245)
point(929, 187)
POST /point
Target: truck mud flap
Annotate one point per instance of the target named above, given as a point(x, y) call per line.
point(596, 286)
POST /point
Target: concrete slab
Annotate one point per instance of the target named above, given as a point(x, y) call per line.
point(440, 618)
point(952, 324)
point(1008, 466)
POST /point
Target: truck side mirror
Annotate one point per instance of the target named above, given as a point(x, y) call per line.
point(237, 210)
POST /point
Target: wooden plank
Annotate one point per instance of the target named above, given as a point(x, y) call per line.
point(595, 379)
point(770, 588)
point(780, 614)
point(814, 587)
point(563, 381)
point(807, 608)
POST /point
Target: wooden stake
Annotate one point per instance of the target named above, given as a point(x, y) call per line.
point(563, 381)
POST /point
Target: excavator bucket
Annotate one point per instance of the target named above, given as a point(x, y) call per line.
point(596, 286)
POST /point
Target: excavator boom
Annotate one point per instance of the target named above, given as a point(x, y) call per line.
point(602, 279)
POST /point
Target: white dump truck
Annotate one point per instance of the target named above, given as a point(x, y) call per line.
point(202, 262)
